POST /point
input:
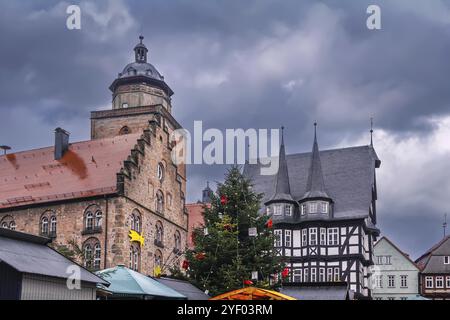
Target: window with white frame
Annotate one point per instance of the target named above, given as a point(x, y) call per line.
point(268, 210)
point(277, 210)
point(447, 280)
point(379, 281)
point(429, 283)
point(440, 282)
point(323, 236)
point(333, 237)
point(297, 275)
point(447, 260)
point(313, 274)
point(288, 210)
point(379, 260)
point(404, 281)
point(391, 281)
point(288, 238)
point(324, 207)
point(337, 275)
point(329, 274)
point(322, 275)
point(312, 207)
point(306, 275)
point(303, 209)
point(312, 236)
point(304, 237)
point(278, 237)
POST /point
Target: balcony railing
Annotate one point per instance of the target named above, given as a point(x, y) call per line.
point(92, 230)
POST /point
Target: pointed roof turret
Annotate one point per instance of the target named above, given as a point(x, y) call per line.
point(315, 187)
point(282, 189)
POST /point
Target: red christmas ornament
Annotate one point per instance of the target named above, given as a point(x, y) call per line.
point(185, 265)
point(200, 256)
point(223, 200)
point(285, 273)
point(269, 223)
point(248, 282)
point(228, 227)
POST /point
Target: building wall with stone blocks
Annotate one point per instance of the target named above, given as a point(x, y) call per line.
point(135, 95)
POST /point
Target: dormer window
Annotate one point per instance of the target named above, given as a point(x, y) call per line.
point(303, 209)
point(312, 207)
point(447, 260)
point(277, 210)
point(288, 210)
point(324, 207)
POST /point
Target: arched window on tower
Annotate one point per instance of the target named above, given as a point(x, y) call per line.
point(92, 254)
point(8, 222)
point(53, 226)
point(159, 202)
point(159, 234)
point(44, 226)
point(124, 130)
point(93, 219)
point(177, 238)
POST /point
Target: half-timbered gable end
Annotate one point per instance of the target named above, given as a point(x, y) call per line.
point(323, 209)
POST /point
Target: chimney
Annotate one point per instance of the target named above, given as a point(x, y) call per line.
point(61, 142)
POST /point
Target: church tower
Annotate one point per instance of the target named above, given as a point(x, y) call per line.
point(139, 94)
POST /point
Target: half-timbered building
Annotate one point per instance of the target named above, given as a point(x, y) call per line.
point(323, 208)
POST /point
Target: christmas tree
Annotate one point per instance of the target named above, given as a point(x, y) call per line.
point(234, 247)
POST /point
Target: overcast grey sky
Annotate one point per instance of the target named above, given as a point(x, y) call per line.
point(252, 64)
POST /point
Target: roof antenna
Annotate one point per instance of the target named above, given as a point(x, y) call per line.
point(444, 225)
point(371, 132)
point(282, 135)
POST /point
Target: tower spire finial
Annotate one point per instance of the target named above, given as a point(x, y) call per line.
point(141, 38)
point(315, 131)
point(282, 135)
point(371, 132)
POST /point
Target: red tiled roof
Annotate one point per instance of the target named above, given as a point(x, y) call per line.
point(88, 168)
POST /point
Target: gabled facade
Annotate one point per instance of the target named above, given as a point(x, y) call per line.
point(395, 276)
point(434, 282)
point(119, 196)
point(323, 207)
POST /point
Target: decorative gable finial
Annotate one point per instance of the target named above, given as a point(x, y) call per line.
point(444, 225)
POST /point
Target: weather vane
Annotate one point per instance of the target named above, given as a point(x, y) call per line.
point(444, 225)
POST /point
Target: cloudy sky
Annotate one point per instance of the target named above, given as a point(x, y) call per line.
point(259, 65)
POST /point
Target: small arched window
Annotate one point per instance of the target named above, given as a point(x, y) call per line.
point(124, 130)
point(98, 219)
point(92, 254)
point(136, 222)
point(158, 258)
point(177, 241)
point(160, 171)
point(89, 221)
point(159, 202)
point(53, 225)
point(8, 222)
point(97, 256)
point(87, 256)
point(135, 255)
point(159, 236)
point(44, 226)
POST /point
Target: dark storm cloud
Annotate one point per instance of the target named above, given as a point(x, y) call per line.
point(260, 64)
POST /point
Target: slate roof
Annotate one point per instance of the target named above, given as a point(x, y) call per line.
point(348, 175)
point(432, 261)
point(185, 288)
point(87, 169)
point(282, 187)
point(30, 254)
point(315, 186)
